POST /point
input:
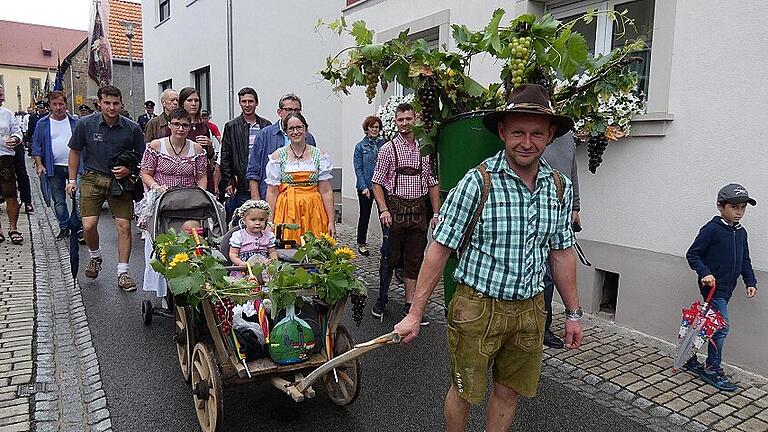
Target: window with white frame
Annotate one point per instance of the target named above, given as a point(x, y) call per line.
point(164, 9)
point(432, 38)
point(165, 85)
point(603, 35)
point(203, 85)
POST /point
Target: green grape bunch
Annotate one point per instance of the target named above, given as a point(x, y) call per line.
point(520, 51)
point(372, 80)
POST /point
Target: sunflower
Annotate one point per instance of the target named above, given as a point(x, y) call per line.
point(178, 258)
point(328, 239)
point(345, 252)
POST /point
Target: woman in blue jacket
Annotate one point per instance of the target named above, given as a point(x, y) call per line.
point(366, 152)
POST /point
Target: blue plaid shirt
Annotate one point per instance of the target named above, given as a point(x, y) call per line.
point(507, 254)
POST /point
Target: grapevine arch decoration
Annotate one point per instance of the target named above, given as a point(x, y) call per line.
point(539, 50)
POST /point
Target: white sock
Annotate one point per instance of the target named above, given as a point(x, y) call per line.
point(95, 253)
point(122, 268)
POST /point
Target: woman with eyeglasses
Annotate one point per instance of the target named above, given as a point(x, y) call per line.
point(298, 178)
point(199, 132)
point(364, 161)
point(175, 161)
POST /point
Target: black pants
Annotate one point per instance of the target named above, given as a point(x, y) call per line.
point(22, 178)
point(366, 204)
point(549, 292)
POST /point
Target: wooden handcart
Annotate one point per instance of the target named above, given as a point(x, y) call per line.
point(209, 360)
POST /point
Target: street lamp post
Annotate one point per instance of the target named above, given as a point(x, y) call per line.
point(129, 34)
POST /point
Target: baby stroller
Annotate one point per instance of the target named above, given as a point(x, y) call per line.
point(174, 207)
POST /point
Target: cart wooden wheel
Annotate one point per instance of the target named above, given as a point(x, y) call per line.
point(343, 385)
point(207, 389)
point(185, 339)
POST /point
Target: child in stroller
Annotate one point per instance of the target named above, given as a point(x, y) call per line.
point(252, 243)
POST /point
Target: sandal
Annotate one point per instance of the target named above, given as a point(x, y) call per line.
point(16, 237)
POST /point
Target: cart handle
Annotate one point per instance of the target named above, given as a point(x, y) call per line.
point(357, 351)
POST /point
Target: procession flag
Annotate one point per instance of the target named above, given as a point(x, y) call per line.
point(47, 86)
point(58, 82)
point(100, 56)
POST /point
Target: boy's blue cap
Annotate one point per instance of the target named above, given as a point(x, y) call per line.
point(734, 193)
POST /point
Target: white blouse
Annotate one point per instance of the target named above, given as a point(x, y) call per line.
point(273, 174)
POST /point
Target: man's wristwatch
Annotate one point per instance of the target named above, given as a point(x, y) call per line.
point(574, 314)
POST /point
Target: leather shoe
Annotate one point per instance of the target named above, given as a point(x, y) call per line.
point(552, 341)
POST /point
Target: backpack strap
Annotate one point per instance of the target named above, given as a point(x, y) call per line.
point(479, 211)
point(558, 179)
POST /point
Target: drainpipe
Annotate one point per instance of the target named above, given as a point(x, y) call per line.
point(230, 62)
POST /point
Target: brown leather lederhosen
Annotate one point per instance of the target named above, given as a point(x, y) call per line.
point(408, 232)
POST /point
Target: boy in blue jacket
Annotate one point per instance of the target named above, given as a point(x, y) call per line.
point(720, 253)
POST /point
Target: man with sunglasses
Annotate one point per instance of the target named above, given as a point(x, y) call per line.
point(268, 140)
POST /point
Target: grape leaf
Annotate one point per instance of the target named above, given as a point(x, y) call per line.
point(374, 52)
point(492, 29)
point(574, 55)
point(473, 87)
point(362, 35)
point(546, 26)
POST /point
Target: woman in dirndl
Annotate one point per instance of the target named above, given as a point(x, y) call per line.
point(298, 180)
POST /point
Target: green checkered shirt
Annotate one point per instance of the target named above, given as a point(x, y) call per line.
point(507, 254)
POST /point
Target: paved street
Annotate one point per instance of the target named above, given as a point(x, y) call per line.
point(97, 367)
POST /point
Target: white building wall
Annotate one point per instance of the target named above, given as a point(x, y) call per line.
point(276, 51)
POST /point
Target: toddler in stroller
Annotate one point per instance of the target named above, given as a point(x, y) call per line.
point(252, 242)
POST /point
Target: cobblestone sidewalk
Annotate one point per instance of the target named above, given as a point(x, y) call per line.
point(17, 316)
point(626, 371)
point(67, 393)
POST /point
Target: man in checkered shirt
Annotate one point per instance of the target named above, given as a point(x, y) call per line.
point(497, 315)
point(407, 177)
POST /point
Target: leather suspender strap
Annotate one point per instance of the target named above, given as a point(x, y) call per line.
point(479, 211)
point(559, 188)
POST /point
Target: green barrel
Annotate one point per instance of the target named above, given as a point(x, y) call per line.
point(462, 143)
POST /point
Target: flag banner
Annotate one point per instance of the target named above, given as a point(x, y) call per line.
point(47, 86)
point(100, 57)
point(58, 82)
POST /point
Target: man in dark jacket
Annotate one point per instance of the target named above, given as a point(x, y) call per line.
point(236, 144)
point(148, 115)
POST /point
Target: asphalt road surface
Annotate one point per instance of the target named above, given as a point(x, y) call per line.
point(402, 388)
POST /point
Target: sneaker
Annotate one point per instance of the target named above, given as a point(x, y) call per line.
point(424, 319)
point(363, 249)
point(552, 341)
point(93, 268)
point(125, 282)
point(718, 380)
point(693, 366)
point(81, 237)
point(378, 311)
point(63, 233)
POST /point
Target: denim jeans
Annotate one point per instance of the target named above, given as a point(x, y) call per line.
point(715, 346)
point(58, 194)
point(234, 202)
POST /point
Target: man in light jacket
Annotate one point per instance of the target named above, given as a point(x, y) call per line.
point(50, 149)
